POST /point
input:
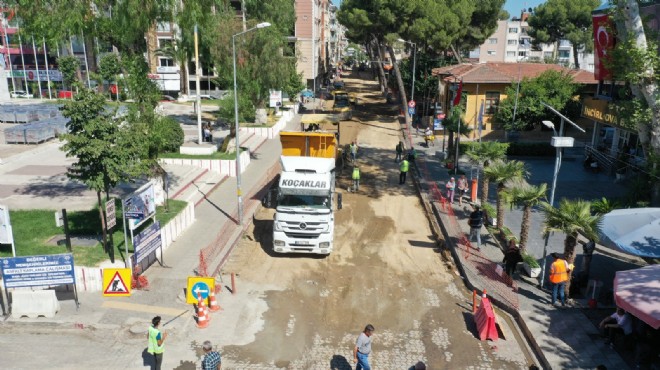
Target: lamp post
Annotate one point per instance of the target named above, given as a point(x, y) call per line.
point(412, 93)
point(558, 141)
point(238, 149)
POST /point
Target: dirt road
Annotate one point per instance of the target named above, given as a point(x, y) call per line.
point(305, 312)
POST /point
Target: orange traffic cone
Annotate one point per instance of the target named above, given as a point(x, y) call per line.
point(202, 315)
point(213, 303)
point(483, 295)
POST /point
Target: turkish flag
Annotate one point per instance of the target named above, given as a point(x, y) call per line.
point(459, 92)
point(604, 39)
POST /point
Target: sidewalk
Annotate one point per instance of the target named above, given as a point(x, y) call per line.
point(564, 338)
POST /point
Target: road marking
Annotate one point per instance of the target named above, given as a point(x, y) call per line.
point(165, 311)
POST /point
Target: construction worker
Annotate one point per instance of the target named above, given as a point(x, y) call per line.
point(155, 344)
point(356, 178)
point(403, 167)
point(558, 277)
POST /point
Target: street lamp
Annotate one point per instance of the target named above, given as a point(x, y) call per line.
point(412, 93)
point(238, 149)
point(558, 141)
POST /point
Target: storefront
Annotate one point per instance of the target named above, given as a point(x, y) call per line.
point(610, 133)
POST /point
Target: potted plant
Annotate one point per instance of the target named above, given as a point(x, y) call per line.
point(531, 266)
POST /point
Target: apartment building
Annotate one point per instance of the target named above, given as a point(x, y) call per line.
point(511, 43)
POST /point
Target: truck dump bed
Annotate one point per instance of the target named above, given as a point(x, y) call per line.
point(309, 144)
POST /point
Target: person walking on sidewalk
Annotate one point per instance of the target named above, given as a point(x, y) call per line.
point(399, 152)
point(155, 344)
point(476, 221)
point(356, 178)
point(363, 349)
point(511, 258)
point(558, 277)
point(403, 167)
point(463, 188)
point(451, 187)
point(212, 359)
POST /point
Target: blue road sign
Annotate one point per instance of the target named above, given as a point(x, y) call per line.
point(411, 111)
point(202, 288)
point(54, 269)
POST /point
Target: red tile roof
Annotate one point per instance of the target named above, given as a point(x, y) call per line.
point(508, 72)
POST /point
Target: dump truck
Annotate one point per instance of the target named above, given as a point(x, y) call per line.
point(304, 219)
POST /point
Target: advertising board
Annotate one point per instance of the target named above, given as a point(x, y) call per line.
point(29, 271)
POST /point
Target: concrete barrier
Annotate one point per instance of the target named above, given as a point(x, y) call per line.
point(221, 166)
point(34, 303)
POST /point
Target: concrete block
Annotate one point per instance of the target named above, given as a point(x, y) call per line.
point(34, 303)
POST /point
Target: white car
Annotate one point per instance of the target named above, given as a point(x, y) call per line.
point(20, 94)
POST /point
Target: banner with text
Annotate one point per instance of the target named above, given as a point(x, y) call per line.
point(146, 242)
point(140, 205)
point(54, 269)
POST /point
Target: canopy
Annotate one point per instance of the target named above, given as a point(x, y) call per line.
point(307, 93)
point(634, 231)
point(638, 292)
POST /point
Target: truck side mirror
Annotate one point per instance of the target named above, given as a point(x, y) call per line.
point(339, 200)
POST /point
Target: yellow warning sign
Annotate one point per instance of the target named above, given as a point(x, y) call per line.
point(117, 282)
point(201, 285)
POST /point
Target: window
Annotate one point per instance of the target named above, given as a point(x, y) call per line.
point(547, 54)
point(492, 40)
point(492, 52)
point(164, 42)
point(564, 54)
point(512, 42)
point(524, 30)
point(513, 30)
point(165, 62)
point(522, 53)
point(511, 54)
point(164, 27)
point(491, 102)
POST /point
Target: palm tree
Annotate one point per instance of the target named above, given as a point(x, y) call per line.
point(572, 217)
point(484, 154)
point(500, 172)
point(180, 55)
point(527, 196)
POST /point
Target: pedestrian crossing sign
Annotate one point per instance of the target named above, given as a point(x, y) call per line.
point(117, 282)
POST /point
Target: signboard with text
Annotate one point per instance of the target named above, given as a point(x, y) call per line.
point(140, 205)
point(6, 235)
point(110, 214)
point(33, 75)
point(30, 271)
point(275, 99)
point(146, 242)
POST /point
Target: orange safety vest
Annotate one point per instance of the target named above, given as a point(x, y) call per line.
point(558, 272)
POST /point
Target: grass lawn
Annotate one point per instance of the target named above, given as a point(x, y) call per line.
point(33, 228)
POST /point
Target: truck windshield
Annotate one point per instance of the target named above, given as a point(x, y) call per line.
point(313, 201)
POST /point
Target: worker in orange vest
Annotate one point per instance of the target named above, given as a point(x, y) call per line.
point(558, 277)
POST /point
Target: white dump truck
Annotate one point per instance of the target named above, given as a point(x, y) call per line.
point(304, 218)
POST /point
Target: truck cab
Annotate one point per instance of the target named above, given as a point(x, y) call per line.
point(304, 218)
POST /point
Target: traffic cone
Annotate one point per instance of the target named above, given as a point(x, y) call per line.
point(213, 303)
point(483, 295)
point(202, 315)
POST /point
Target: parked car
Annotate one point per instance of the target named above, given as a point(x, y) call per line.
point(20, 94)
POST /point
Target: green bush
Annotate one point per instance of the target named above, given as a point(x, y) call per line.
point(167, 135)
point(531, 149)
point(531, 261)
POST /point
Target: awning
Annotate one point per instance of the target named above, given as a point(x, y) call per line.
point(634, 231)
point(638, 292)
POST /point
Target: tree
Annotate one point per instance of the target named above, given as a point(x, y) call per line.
point(484, 154)
point(68, 65)
point(527, 196)
point(452, 122)
point(109, 69)
point(501, 172)
point(552, 87)
point(106, 151)
point(570, 20)
point(572, 217)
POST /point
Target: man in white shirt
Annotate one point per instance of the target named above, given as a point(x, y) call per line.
point(363, 349)
point(619, 322)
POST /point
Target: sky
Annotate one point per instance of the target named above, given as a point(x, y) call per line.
point(515, 6)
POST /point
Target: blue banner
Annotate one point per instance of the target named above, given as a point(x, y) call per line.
point(54, 269)
point(146, 242)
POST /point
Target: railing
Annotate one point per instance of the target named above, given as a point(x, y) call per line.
point(605, 161)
